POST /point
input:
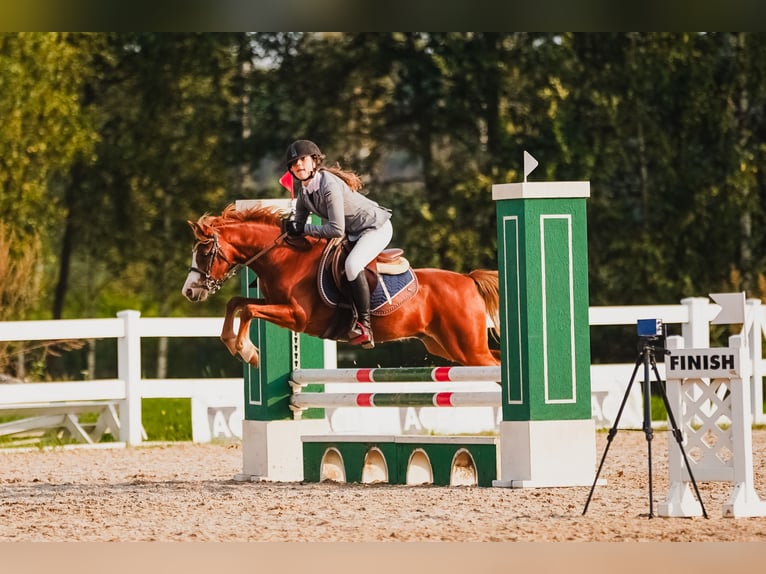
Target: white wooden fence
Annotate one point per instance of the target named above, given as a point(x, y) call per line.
point(127, 390)
point(695, 315)
point(212, 397)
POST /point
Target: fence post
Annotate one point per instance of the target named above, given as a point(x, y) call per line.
point(696, 332)
point(755, 342)
point(129, 372)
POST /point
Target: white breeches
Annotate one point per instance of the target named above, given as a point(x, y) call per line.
point(367, 248)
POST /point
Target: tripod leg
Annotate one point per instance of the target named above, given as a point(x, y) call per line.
point(677, 435)
point(612, 432)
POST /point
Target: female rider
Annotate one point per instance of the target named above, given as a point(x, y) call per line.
point(331, 193)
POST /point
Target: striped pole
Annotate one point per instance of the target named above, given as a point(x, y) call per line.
point(396, 375)
point(440, 399)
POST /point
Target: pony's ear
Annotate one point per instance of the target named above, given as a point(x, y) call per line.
point(195, 228)
point(201, 231)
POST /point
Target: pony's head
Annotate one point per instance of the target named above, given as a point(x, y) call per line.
point(215, 257)
point(210, 266)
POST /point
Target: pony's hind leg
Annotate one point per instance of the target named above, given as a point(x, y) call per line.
point(468, 346)
point(433, 347)
point(470, 356)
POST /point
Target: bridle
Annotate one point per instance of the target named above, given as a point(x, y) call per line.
point(212, 284)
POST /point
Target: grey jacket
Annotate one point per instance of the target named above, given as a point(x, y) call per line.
point(342, 210)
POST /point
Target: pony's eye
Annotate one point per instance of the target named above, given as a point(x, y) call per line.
point(204, 252)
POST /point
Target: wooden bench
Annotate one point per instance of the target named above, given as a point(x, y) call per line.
point(61, 415)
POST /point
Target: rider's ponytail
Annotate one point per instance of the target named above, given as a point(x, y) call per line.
point(349, 177)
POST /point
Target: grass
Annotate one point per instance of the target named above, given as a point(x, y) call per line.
point(167, 419)
point(659, 413)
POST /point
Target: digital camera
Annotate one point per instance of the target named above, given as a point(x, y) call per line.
point(651, 332)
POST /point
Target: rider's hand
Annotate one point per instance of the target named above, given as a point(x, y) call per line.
point(293, 228)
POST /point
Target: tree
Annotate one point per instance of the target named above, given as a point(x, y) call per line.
point(44, 132)
point(651, 120)
point(163, 104)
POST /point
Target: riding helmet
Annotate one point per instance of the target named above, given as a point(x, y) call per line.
point(299, 148)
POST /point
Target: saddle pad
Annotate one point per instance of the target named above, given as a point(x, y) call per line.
point(391, 292)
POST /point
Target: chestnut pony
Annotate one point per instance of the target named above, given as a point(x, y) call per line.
point(448, 314)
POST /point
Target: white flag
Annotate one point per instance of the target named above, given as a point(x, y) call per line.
point(732, 308)
point(530, 164)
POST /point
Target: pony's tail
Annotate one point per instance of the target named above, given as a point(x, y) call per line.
point(489, 288)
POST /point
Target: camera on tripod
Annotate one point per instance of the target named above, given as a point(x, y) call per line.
point(651, 334)
point(651, 338)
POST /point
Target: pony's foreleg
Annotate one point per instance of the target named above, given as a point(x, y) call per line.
point(227, 333)
point(244, 346)
point(238, 343)
point(281, 315)
point(286, 316)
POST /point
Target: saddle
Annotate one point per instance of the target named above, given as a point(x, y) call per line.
point(391, 279)
point(388, 262)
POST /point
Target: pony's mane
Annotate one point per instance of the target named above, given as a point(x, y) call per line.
point(266, 214)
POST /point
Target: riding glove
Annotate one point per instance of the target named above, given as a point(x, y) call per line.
point(293, 228)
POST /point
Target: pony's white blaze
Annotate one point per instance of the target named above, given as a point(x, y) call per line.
point(192, 289)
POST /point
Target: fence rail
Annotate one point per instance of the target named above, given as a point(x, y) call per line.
point(128, 328)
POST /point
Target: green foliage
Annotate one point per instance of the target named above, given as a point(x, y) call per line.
point(112, 141)
point(163, 102)
point(44, 130)
point(662, 125)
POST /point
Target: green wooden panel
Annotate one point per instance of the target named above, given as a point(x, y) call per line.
point(545, 339)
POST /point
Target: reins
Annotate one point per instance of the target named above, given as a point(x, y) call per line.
point(263, 251)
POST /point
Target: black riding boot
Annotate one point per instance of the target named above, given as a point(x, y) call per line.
point(360, 293)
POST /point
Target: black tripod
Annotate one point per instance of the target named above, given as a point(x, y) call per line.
point(646, 357)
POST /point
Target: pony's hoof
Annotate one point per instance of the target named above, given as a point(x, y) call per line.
point(251, 356)
point(231, 344)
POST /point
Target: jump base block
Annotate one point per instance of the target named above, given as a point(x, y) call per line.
point(392, 459)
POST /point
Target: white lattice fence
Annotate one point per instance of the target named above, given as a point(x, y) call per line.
point(711, 405)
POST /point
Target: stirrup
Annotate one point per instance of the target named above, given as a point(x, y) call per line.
point(364, 338)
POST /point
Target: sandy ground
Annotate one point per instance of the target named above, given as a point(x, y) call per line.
point(186, 492)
